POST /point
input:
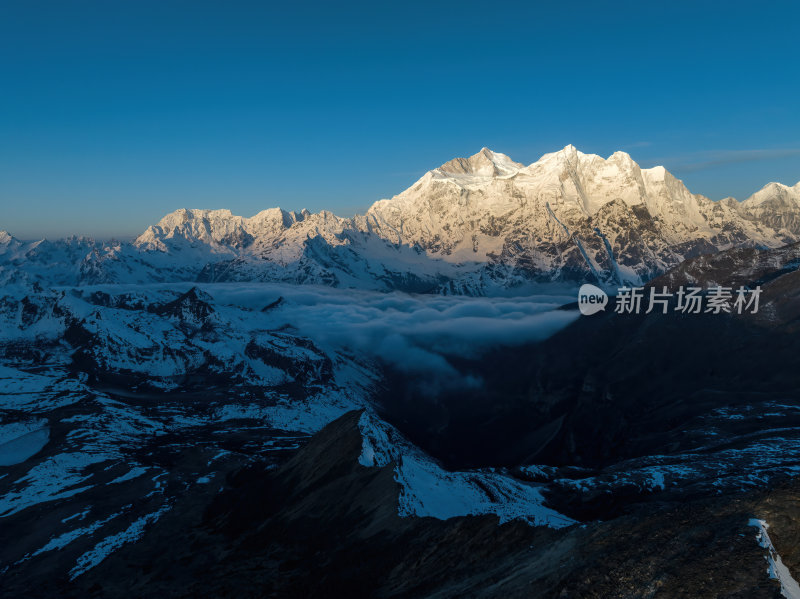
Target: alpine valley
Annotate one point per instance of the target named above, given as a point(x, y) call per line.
point(407, 403)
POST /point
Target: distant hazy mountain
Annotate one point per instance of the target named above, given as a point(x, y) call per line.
point(470, 226)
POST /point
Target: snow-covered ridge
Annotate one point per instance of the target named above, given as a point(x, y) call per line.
point(471, 226)
point(776, 568)
point(548, 220)
point(217, 227)
point(485, 163)
point(429, 490)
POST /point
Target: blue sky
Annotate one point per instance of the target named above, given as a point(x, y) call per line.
point(115, 113)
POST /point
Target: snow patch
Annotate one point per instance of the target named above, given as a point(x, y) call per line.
point(110, 544)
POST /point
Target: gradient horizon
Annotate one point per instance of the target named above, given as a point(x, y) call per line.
point(114, 114)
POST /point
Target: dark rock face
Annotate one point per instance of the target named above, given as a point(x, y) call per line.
point(607, 388)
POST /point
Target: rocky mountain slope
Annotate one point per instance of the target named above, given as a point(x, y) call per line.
point(471, 226)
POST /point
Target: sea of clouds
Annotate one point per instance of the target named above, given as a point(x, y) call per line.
point(413, 333)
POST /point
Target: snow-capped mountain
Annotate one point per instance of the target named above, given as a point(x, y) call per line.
point(573, 215)
point(470, 226)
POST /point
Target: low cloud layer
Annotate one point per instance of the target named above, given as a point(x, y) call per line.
point(417, 334)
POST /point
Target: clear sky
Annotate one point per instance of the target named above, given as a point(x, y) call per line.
point(115, 113)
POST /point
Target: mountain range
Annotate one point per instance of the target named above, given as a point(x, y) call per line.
point(471, 226)
point(253, 406)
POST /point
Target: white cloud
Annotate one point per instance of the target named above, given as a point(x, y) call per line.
point(414, 333)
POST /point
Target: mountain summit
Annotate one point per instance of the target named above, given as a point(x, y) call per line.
point(485, 164)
